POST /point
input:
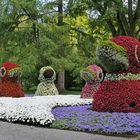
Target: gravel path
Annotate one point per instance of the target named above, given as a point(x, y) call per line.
point(10, 131)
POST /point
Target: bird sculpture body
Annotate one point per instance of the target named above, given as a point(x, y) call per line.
point(46, 86)
point(120, 90)
point(9, 85)
point(93, 75)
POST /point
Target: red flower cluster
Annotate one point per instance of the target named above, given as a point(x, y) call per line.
point(9, 86)
point(88, 91)
point(130, 44)
point(10, 89)
point(118, 96)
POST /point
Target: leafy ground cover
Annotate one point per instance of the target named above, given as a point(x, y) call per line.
point(67, 92)
point(84, 119)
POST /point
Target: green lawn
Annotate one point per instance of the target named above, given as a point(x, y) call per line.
point(72, 92)
point(32, 91)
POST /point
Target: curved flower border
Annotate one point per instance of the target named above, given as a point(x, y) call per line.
point(36, 110)
point(84, 119)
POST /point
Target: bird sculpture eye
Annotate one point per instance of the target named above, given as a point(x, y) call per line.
point(100, 76)
point(2, 72)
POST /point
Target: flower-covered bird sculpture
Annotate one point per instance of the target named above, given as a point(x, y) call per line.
point(93, 75)
point(46, 86)
point(9, 86)
point(120, 90)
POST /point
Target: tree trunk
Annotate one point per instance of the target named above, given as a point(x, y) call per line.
point(130, 18)
point(61, 74)
point(61, 82)
point(112, 28)
point(60, 12)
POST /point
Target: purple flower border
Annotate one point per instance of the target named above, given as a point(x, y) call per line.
point(84, 119)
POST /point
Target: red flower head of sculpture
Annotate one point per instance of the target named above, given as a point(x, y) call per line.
point(10, 71)
point(9, 86)
point(132, 47)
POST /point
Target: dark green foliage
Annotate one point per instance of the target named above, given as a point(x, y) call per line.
point(78, 8)
point(118, 16)
point(112, 57)
point(68, 47)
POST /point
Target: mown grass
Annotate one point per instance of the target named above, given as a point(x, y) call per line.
point(71, 92)
point(67, 92)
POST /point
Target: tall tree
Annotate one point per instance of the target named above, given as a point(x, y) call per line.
point(121, 17)
point(69, 41)
point(16, 19)
point(58, 34)
point(61, 73)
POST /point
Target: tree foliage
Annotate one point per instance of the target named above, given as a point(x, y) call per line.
point(121, 17)
point(35, 33)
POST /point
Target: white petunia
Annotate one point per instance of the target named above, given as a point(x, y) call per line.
point(36, 109)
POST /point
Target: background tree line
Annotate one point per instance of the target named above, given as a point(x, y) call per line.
point(61, 33)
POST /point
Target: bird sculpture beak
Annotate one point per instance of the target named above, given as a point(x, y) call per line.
point(15, 73)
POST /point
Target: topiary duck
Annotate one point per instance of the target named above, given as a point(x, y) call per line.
point(46, 86)
point(9, 86)
point(93, 75)
point(120, 90)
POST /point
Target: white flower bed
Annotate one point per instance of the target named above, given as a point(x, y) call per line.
point(36, 110)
